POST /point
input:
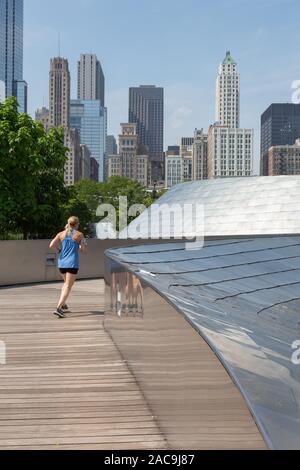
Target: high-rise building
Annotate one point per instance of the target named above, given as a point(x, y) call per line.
point(132, 162)
point(90, 118)
point(146, 110)
point(228, 94)
point(200, 153)
point(11, 52)
point(59, 116)
point(91, 81)
point(230, 152)
point(94, 170)
point(111, 145)
point(186, 154)
point(111, 149)
point(73, 168)
point(173, 170)
point(284, 160)
point(59, 93)
point(230, 148)
point(280, 125)
point(42, 115)
point(85, 162)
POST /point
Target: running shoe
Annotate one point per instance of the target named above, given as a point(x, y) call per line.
point(59, 313)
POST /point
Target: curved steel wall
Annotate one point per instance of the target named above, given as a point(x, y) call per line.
point(193, 400)
point(238, 206)
point(243, 297)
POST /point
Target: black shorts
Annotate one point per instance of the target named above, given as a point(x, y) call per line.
point(68, 270)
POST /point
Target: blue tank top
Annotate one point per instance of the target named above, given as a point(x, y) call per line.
point(69, 255)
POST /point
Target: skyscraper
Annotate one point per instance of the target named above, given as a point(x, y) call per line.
point(59, 116)
point(146, 110)
point(111, 145)
point(200, 150)
point(228, 94)
point(11, 52)
point(90, 119)
point(91, 81)
point(280, 125)
point(230, 148)
point(59, 93)
point(131, 162)
point(230, 152)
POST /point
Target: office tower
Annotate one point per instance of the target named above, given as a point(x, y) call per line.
point(90, 118)
point(85, 162)
point(131, 162)
point(42, 115)
point(111, 149)
point(230, 152)
point(228, 94)
point(146, 110)
point(73, 168)
point(186, 154)
point(187, 168)
point(11, 52)
point(280, 125)
point(173, 170)
point(91, 81)
point(59, 93)
point(230, 148)
point(111, 145)
point(284, 160)
point(200, 153)
point(94, 175)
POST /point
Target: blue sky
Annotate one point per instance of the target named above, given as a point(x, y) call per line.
point(170, 43)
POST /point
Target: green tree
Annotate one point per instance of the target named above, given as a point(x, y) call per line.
point(93, 194)
point(78, 208)
point(90, 193)
point(32, 190)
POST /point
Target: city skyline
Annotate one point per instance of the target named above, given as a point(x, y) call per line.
point(263, 46)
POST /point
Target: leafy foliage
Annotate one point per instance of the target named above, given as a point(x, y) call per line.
point(32, 164)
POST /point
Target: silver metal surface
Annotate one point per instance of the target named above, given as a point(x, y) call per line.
point(243, 297)
point(236, 206)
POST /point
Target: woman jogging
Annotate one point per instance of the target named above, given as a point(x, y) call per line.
point(69, 243)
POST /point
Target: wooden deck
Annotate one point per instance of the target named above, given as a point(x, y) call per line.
point(65, 384)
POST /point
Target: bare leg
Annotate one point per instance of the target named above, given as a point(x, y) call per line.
point(66, 290)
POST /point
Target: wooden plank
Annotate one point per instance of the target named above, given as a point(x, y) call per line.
point(65, 383)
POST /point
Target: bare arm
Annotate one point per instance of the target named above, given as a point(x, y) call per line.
point(79, 238)
point(83, 246)
point(55, 244)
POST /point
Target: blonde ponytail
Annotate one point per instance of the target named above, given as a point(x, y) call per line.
point(72, 224)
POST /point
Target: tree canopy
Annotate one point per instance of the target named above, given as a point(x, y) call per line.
point(32, 189)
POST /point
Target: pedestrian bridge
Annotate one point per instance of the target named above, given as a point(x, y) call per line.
point(66, 384)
